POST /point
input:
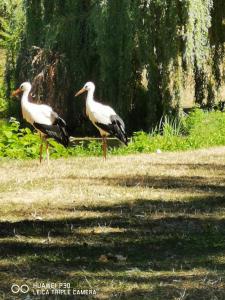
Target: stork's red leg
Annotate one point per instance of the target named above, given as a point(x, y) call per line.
point(47, 152)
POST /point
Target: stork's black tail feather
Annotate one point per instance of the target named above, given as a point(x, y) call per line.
point(118, 129)
point(58, 131)
point(115, 128)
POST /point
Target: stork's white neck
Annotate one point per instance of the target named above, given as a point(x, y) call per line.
point(25, 100)
point(90, 96)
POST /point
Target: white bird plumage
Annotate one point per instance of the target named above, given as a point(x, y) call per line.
point(103, 117)
point(43, 118)
point(32, 112)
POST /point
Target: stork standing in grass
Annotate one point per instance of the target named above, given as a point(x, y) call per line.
point(103, 117)
point(43, 118)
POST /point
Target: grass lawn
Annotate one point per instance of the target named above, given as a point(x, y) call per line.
point(147, 226)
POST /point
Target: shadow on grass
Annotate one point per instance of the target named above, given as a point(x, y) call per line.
point(214, 184)
point(152, 229)
point(168, 182)
point(153, 235)
point(174, 291)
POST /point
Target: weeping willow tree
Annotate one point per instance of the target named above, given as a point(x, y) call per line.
point(113, 43)
point(58, 53)
point(217, 42)
point(116, 43)
point(11, 29)
point(197, 49)
point(161, 52)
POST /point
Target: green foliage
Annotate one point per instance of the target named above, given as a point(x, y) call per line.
point(116, 43)
point(11, 25)
point(172, 126)
point(199, 129)
point(197, 52)
point(206, 129)
point(16, 142)
point(20, 143)
point(162, 20)
point(66, 43)
point(217, 40)
point(196, 31)
point(3, 102)
point(12, 22)
point(113, 43)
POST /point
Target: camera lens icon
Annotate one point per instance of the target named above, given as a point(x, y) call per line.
point(16, 289)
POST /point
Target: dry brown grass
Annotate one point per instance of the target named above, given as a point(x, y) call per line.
point(163, 212)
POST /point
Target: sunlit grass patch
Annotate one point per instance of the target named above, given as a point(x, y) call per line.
point(131, 227)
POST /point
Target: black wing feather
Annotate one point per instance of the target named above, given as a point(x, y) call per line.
point(58, 131)
point(115, 128)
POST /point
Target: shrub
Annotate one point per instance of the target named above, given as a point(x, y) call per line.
point(199, 129)
point(16, 142)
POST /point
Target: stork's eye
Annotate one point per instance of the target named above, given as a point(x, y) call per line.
point(21, 87)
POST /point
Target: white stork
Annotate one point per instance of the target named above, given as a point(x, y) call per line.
point(43, 118)
point(103, 117)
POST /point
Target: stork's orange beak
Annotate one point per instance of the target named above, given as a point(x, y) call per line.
point(17, 92)
point(80, 92)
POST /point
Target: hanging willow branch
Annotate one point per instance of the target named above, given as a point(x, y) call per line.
point(113, 43)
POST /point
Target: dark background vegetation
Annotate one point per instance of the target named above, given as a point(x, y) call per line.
point(139, 53)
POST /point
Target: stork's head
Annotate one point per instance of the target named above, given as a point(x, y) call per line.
point(24, 87)
point(89, 86)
